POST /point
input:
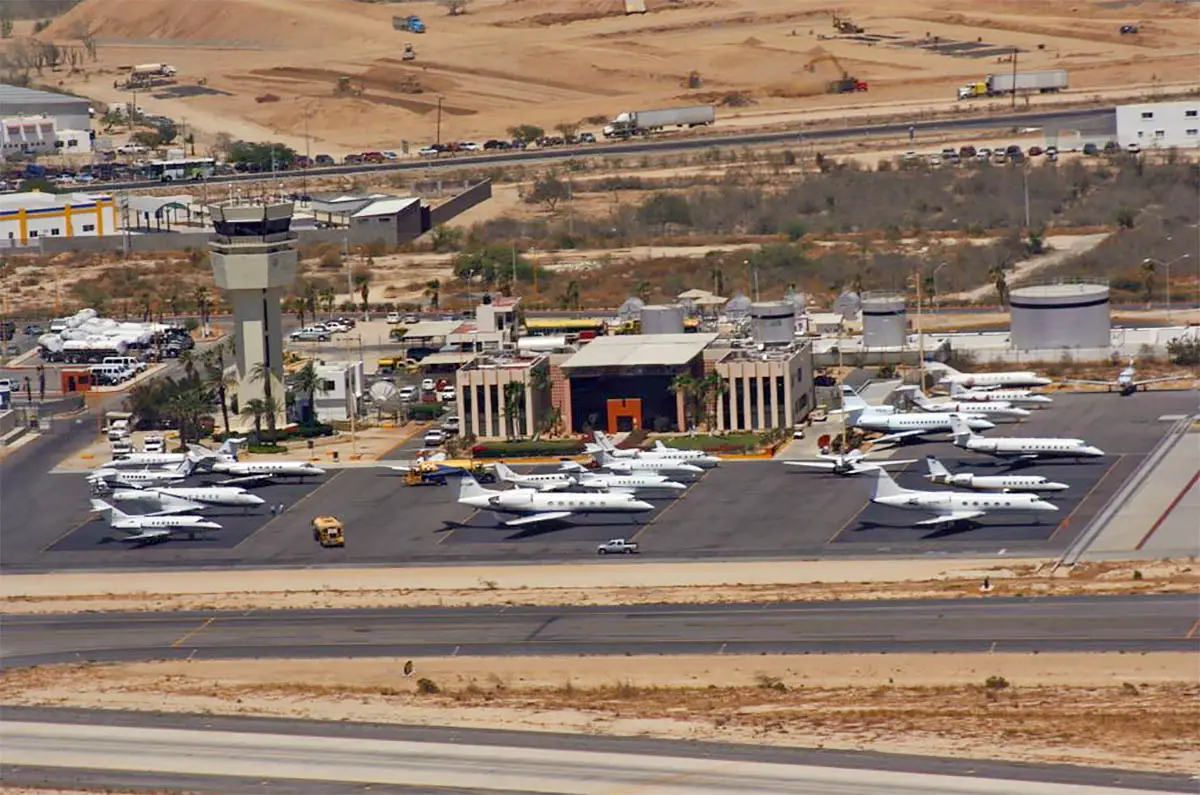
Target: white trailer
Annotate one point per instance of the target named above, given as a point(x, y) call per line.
point(643, 122)
point(1045, 82)
point(153, 70)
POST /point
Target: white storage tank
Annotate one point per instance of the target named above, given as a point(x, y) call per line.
point(541, 344)
point(773, 322)
point(666, 319)
point(1062, 314)
point(884, 319)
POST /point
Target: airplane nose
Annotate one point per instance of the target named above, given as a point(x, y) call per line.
point(985, 425)
point(253, 499)
point(674, 485)
point(1090, 450)
point(1046, 506)
point(642, 505)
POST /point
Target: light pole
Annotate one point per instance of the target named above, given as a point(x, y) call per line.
point(937, 294)
point(1167, 268)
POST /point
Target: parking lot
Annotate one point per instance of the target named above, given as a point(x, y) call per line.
point(751, 509)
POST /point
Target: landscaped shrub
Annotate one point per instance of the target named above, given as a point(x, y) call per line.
point(547, 447)
point(426, 411)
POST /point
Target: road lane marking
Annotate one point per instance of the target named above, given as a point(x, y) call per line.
point(453, 530)
point(670, 505)
point(71, 532)
point(1170, 510)
point(183, 639)
point(1191, 633)
point(1067, 520)
point(287, 508)
point(852, 520)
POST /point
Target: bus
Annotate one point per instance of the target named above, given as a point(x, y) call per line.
point(584, 327)
point(188, 168)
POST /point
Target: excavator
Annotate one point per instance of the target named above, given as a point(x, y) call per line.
point(846, 25)
point(846, 84)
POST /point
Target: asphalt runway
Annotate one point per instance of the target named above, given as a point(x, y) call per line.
point(746, 509)
point(1104, 623)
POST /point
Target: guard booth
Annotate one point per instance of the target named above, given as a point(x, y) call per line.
point(75, 380)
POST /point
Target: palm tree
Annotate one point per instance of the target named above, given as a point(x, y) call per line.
point(272, 408)
point(1000, 281)
point(364, 292)
point(712, 387)
point(686, 385)
point(643, 291)
point(433, 291)
point(1148, 274)
point(147, 306)
point(310, 299)
point(295, 304)
point(188, 360)
point(215, 378)
point(185, 407)
point(260, 372)
point(307, 382)
point(255, 407)
point(718, 277)
point(174, 303)
point(514, 408)
point(570, 297)
point(327, 297)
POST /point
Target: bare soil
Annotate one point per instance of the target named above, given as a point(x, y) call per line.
point(1118, 710)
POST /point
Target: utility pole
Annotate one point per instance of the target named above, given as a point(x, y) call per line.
point(1025, 181)
point(439, 121)
point(920, 331)
point(1014, 85)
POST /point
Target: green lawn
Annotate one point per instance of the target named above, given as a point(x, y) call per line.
point(747, 441)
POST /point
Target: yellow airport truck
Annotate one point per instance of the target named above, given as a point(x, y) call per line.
point(328, 531)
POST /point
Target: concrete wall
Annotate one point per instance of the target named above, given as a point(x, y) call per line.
point(464, 201)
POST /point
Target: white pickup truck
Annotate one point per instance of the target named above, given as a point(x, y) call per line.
point(617, 546)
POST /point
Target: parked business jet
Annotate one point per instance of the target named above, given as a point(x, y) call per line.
point(992, 409)
point(107, 478)
point(1006, 483)
point(551, 481)
point(257, 473)
point(989, 394)
point(201, 496)
point(607, 481)
point(639, 465)
point(533, 506)
point(148, 528)
point(952, 507)
point(851, 463)
point(897, 426)
point(660, 450)
point(150, 503)
point(1020, 447)
point(227, 452)
point(1128, 383)
point(971, 380)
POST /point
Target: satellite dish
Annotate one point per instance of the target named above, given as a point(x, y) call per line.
point(848, 304)
point(386, 396)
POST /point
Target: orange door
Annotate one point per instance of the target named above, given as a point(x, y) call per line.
point(624, 415)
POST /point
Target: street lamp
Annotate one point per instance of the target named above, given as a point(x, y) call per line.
point(1167, 268)
point(937, 294)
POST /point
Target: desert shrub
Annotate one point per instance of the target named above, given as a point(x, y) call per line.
point(544, 447)
point(995, 683)
point(427, 686)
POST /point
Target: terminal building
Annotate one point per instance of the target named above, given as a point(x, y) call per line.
point(26, 217)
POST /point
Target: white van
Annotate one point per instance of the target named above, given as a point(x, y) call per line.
point(128, 362)
point(118, 430)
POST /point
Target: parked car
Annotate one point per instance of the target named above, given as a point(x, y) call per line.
point(428, 385)
point(352, 160)
point(393, 318)
point(984, 154)
point(469, 146)
point(1051, 150)
point(617, 546)
point(429, 151)
point(1091, 150)
point(1012, 149)
point(966, 152)
point(411, 320)
point(33, 329)
point(434, 437)
point(408, 392)
point(448, 394)
point(324, 160)
point(452, 425)
point(587, 138)
point(1134, 148)
point(154, 443)
point(309, 335)
point(1034, 151)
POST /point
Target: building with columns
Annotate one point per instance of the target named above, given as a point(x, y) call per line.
point(764, 388)
point(483, 395)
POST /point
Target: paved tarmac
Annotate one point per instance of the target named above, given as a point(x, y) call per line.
point(1125, 623)
point(752, 509)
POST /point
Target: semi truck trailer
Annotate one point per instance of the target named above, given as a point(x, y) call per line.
point(644, 122)
point(1044, 82)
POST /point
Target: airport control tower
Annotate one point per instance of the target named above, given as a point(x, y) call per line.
point(253, 257)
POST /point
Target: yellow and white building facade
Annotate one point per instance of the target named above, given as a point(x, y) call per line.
point(26, 217)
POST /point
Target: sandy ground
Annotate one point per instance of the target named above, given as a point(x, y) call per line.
point(1129, 711)
point(565, 61)
point(580, 584)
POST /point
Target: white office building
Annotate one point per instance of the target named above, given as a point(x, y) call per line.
point(25, 217)
point(1159, 125)
point(340, 391)
point(26, 135)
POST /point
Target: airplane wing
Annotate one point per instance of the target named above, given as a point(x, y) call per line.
point(1090, 382)
point(828, 466)
point(146, 535)
point(1144, 381)
point(890, 462)
point(952, 516)
point(248, 481)
point(559, 486)
point(537, 517)
point(899, 436)
point(405, 470)
point(187, 506)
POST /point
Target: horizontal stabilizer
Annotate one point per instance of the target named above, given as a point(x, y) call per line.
point(898, 436)
point(146, 535)
point(548, 516)
point(946, 518)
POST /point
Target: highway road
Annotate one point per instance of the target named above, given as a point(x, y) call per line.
point(1111, 623)
point(260, 761)
point(1086, 118)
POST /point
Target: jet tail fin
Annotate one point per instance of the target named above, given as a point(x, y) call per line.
point(936, 467)
point(603, 440)
point(571, 466)
point(468, 486)
point(107, 510)
point(503, 472)
point(851, 401)
point(884, 485)
point(960, 429)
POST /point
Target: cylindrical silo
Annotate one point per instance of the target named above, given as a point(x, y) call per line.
point(1071, 314)
point(884, 319)
point(662, 319)
point(773, 322)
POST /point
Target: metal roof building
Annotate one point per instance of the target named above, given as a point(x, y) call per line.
point(639, 350)
point(71, 112)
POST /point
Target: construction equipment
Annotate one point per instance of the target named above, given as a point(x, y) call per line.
point(846, 84)
point(846, 25)
point(409, 53)
point(329, 531)
point(412, 24)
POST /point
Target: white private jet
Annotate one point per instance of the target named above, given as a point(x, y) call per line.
point(1006, 483)
point(992, 409)
point(551, 481)
point(1127, 382)
point(851, 463)
point(607, 481)
point(1019, 447)
point(255, 473)
point(227, 452)
point(952, 507)
point(991, 394)
point(660, 450)
point(533, 506)
point(106, 478)
point(201, 497)
point(639, 465)
point(151, 503)
point(896, 426)
point(149, 528)
point(970, 380)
